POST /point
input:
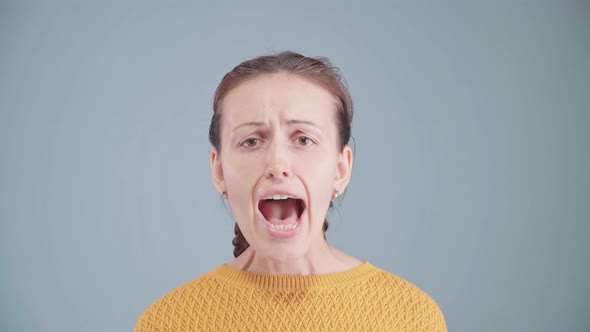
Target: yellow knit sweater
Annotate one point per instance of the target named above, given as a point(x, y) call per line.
point(365, 298)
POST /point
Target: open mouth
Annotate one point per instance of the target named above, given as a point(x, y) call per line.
point(281, 213)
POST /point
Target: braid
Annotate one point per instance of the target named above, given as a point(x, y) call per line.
point(239, 242)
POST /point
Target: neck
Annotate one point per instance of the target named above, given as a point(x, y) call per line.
point(323, 259)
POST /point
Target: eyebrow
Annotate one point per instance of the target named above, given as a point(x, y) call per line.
point(255, 124)
point(261, 124)
point(290, 122)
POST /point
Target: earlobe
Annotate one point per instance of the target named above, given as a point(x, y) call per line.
point(217, 171)
point(344, 169)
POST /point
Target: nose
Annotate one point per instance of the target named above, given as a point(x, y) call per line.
point(277, 165)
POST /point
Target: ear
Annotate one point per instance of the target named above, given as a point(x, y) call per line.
point(344, 169)
point(217, 171)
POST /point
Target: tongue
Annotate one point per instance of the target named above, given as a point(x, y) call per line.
point(279, 212)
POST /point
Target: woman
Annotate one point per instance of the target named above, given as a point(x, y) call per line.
point(280, 132)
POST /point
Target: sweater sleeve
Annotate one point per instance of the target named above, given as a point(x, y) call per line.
point(437, 319)
point(151, 322)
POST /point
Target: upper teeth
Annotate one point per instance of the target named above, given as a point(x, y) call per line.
point(279, 197)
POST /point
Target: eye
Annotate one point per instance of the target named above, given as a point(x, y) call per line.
point(250, 142)
point(304, 140)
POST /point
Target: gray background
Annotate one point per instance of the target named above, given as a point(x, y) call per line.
point(472, 164)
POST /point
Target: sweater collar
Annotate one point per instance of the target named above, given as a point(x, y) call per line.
point(267, 281)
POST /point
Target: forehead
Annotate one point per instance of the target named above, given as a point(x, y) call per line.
point(282, 95)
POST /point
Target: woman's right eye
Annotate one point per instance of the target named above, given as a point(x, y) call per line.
point(250, 142)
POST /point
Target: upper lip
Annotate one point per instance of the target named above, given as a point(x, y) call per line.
point(280, 193)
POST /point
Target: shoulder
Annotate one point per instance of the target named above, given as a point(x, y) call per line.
point(167, 313)
point(409, 300)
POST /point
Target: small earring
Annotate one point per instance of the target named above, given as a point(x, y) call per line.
point(336, 193)
point(224, 194)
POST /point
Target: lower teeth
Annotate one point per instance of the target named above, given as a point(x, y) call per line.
point(283, 227)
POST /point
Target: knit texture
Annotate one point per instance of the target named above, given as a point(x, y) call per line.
point(365, 298)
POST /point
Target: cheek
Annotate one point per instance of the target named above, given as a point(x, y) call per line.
point(241, 174)
point(319, 176)
point(321, 167)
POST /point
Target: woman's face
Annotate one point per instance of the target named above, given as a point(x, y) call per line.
point(280, 162)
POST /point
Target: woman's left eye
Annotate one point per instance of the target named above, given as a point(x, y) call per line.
point(303, 140)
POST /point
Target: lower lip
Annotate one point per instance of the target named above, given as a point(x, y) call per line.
point(283, 234)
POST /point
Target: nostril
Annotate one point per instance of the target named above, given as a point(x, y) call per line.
point(276, 172)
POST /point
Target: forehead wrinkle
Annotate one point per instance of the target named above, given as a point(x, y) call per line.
point(270, 99)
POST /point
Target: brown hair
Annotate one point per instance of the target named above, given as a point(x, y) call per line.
point(318, 70)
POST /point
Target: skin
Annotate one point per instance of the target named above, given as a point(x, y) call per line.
point(278, 132)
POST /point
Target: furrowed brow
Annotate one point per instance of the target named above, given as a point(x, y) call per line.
point(304, 122)
point(249, 124)
point(300, 122)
